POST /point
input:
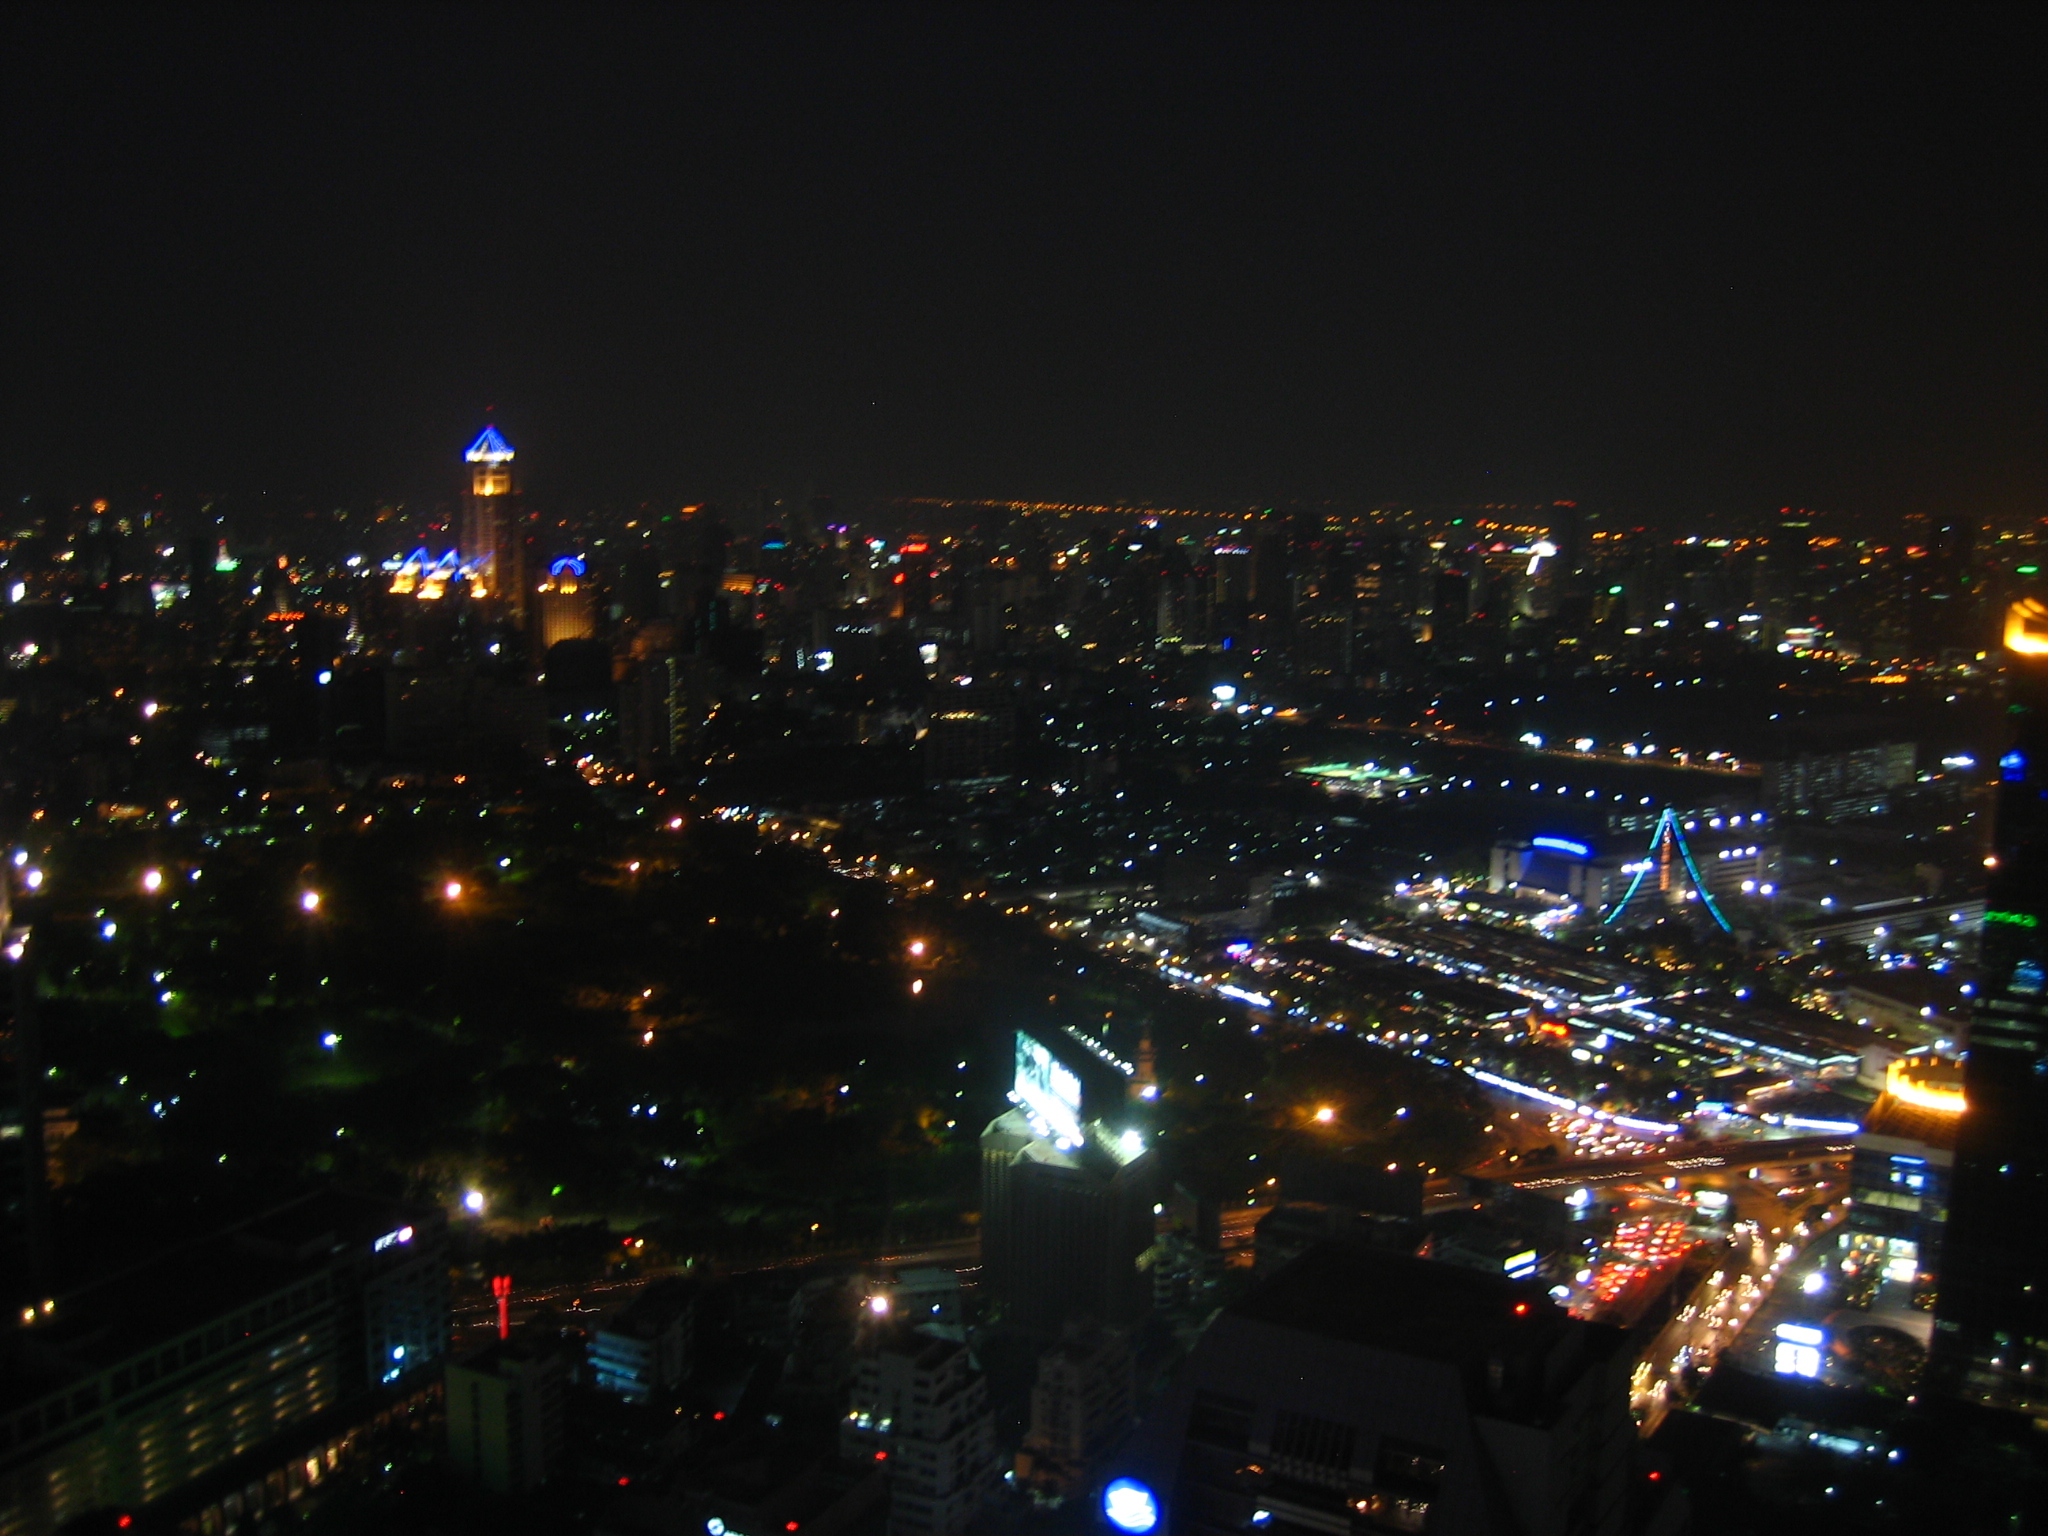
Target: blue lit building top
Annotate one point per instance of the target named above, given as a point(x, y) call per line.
point(489, 448)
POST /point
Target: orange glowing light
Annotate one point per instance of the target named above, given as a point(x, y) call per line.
point(2026, 627)
point(1927, 1082)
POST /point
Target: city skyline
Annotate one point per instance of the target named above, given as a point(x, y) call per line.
point(867, 771)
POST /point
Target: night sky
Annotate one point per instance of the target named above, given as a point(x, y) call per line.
point(1670, 261)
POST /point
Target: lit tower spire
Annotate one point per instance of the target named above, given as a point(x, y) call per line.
point(492, 550)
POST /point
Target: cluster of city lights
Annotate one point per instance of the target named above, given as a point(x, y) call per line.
point(1640, 1246)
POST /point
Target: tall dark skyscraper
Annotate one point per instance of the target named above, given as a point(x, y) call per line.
point(1067, 1197)
point(1991, 1338)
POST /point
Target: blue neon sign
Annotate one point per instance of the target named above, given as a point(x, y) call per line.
point(1562, 845)
point(572, 565)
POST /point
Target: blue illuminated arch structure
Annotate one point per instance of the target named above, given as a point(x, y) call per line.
point(1668, 832)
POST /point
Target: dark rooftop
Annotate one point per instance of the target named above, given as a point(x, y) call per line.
point(1405, 1305)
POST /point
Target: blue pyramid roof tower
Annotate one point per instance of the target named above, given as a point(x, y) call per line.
point(489, 448)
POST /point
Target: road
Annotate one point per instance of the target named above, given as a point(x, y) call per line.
point(1693, 1160)
point(1450, 738)
point(589, 1298)
point(1715, 1318)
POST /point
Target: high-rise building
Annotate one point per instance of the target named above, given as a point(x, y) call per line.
point(1359, 1390)
point(1080, 1407)
point(568, 602)
point(1991, 1319)
point(920, 1409)
point(1838, 785)
point(507, 1415)
point(238, 1359)
point(1067, 1193)
point(492, 544)
point(1899, 1184)
point(645, 1349)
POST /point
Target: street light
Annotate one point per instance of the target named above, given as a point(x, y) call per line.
point(473, 1202)
point(1325, 1115)
point(452, 890)
point(309, 901)
point(152, 880)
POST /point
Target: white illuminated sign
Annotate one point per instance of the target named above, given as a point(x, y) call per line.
point(392, 1239)
point(1048, 1089)
point(1798, 1349)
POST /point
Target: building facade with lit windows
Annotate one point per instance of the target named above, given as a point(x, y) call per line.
point(1991, 1322)
point(920, 1411)
point(1899, 1180)
point(208, 1362)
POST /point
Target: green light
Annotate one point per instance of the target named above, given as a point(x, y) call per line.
point(556, 1190)
point(2026, 570)
point(2016, 919)
point(1614, 591)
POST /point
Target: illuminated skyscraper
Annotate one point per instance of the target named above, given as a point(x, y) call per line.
point(1991, 1321)
point(491, 546)
point(568, 603)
